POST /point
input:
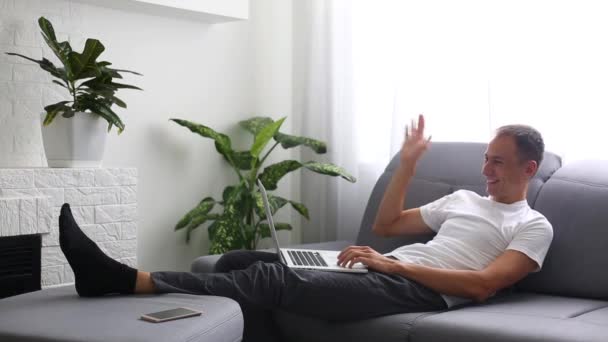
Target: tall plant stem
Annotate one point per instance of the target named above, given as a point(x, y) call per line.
point(268, 153)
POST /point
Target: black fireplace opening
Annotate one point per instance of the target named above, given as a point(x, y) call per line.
point(19, 264)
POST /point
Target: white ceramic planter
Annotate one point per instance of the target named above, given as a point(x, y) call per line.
point(79, 141)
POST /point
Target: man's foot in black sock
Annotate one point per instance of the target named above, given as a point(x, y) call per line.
point(96, 274)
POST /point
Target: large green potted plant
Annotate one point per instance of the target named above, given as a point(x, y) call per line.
point(77, 136)
point(241, 220)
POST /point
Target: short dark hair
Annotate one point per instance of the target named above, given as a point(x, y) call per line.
point(529, 142)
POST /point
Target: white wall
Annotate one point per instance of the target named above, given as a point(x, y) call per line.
point(213, 74)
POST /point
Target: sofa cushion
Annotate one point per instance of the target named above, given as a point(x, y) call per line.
point(296, 328)
point(517, 317)
point(574, 201)
point(58, 314)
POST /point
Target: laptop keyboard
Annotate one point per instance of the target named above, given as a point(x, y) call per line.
point(306, 258)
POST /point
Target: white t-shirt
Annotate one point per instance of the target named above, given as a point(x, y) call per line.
point(472, 231)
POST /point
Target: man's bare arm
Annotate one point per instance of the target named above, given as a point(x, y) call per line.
point(391, 219)
point(505, 271)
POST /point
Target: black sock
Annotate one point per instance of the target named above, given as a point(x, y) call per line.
point(95, 273)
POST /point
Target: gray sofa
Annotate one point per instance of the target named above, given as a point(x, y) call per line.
point(566, 301)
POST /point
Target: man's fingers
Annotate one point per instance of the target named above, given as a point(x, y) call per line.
point(421, 124)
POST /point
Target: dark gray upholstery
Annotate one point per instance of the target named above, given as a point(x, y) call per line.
point(575, 200)
point(566, 301)
point(58, 314)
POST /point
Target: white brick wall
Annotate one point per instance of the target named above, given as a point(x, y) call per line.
point(24, 88)
point(103, 201)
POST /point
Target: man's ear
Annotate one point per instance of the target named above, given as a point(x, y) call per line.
point(531, 168)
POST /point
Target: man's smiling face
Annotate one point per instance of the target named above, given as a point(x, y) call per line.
point(506, 174)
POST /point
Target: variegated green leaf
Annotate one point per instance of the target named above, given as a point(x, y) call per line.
point(264, 228)
point(264, 136)
point(222, 142)
point(300, 208)
point(289, 141)
point(204, 207)
point(273, 173)
point(275, 203)
point(329, 169)
point(255, 125)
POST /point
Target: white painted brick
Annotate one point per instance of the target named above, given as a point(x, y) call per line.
point(17, 178)
point(92, 196)
point(51, 238)
point(28, 37)
point(82, 215)
point(128, 194)
point(6, 5)
point(53, 93)
point(102, 232)
point(28, 216)
point(6, 72)
point(111, 249)
point(52, 275)
point(132, 262)
point(28, 108)
point(27, 137)
point(20, 90)
point(128, 248)
point(129, 230)
point(7, 35)
point(52, 256)
point(115, 177)
point(55, 7)
point(64, 178)
point(6, 109)
point(68, 274)
point(56, 195)
point(29, 73)
point(31, 52)
point(44, 214)
point(9, 216)
point(115, 213)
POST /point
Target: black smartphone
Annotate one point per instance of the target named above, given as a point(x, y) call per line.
point(168, 315)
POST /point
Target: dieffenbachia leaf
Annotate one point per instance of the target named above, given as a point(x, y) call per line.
point(264, 136)
point(273, 173)
point(329, 169)
point(222, 142)
point(264, 228)
point(255, 125)
point(275, 203)
point(203, 208)
point(289, 141)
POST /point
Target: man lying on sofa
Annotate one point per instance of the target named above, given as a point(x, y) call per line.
point(483, 244)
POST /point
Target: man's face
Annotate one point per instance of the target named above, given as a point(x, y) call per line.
point(506, 175)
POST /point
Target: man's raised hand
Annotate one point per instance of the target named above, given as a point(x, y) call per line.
point(414, 144)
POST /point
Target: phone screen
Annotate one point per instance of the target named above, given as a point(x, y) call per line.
point(172, 313)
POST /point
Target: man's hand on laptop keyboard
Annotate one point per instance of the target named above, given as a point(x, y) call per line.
point(367, 256)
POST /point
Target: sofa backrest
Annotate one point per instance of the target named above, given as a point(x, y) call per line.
point(443, 169)
point(575, 201)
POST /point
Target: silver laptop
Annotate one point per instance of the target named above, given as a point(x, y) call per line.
point(306, 258)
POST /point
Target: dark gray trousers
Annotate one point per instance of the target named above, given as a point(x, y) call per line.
point(260, 284)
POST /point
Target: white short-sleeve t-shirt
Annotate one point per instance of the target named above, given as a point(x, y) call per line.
point(472, 231)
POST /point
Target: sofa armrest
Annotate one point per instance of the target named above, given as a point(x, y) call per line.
point(206, 263)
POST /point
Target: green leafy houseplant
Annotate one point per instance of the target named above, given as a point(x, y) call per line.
point(241, 221)
point(89, 82)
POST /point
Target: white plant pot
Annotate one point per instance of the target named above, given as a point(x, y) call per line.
point(79, 141)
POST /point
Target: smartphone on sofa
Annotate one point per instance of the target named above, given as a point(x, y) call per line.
point(169, 315)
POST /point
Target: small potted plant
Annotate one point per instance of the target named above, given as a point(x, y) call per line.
point(77, 136)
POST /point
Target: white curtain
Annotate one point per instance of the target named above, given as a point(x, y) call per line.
point(470, 66)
